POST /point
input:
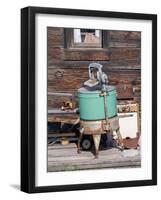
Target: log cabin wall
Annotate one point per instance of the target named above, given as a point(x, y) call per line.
point(120, 56)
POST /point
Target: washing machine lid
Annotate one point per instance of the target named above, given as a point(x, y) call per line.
point(95, 89)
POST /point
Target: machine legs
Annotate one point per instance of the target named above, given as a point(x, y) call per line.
point(79, 141)
point(95, 129)
point(96, 139)
point(120, 140)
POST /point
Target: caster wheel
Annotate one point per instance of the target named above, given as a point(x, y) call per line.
point(86, 144)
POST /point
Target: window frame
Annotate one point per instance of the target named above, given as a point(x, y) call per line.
point(69, 41)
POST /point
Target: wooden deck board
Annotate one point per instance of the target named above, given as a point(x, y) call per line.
point(64, 158)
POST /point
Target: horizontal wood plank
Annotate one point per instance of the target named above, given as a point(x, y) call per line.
point(124, 35)
point(131, 64)
point(86, 54)
point(65, 157)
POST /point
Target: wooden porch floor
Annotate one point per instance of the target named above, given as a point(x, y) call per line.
point(65, 158)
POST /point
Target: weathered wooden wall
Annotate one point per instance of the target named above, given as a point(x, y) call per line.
point(120, 56)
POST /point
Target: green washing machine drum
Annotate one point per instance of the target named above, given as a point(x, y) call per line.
point(91, 104)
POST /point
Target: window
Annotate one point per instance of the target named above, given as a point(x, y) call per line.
point(87, 37)
point(83, 38)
